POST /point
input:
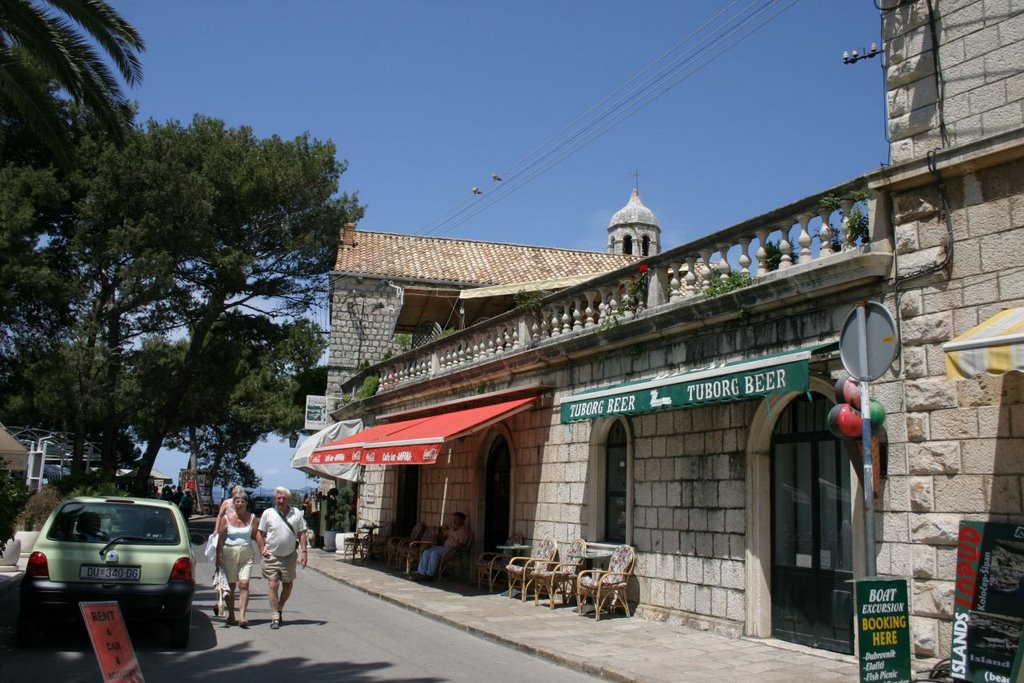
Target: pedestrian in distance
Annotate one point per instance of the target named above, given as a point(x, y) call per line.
point(281, 538)
point(235, 535)
point(186, 504)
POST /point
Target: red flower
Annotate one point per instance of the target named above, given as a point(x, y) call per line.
point(643, 268)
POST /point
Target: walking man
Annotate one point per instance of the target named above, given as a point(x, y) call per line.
point(281, 539)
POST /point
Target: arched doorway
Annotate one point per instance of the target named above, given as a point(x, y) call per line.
point(497, 494)
point(811, 530)
point(407, 498)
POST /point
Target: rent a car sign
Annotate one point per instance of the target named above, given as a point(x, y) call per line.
point(686, 390)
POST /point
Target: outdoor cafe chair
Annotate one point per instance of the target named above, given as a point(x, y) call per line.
point(607, 587)
point(396, 544)
point(490, 565)
point(519, 569)
point(550, 578)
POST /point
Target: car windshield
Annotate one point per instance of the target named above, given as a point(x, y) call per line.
point(102, 522)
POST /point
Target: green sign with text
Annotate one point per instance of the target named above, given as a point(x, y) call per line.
point(688, 390)
point(883, 629)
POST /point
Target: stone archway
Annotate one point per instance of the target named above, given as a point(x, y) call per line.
point(759, 519)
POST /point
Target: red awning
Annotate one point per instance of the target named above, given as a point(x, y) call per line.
point(414, 442)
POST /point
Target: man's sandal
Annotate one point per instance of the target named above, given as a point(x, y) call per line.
point(275, 623)
point(231, 622)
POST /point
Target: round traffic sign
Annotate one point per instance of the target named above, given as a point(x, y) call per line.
point(867, 344)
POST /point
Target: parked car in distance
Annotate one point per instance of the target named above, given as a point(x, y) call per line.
point(136, 551)
point(260, 503)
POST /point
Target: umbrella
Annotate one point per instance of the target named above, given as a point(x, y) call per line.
point(349, 471)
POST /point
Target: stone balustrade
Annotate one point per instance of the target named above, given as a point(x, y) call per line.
point(794, 238)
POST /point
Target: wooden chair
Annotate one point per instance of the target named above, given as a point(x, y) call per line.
point(558, 577)
point(491, 565)
point(607, 587)
point(412, 551)
point(456, 561)
point(519, 569)
point(396, 544)
point(378, 548)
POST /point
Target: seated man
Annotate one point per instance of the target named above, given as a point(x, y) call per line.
point(89, 527)
point(430, 558)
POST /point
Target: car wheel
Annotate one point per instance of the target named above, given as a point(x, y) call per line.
point(28, 632)
point(181, 630)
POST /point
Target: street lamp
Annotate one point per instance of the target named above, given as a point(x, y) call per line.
point(852, 56)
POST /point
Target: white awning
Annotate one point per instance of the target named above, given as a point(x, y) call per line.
point(13, 452)
point(338, 430)
point(994, 346)
point(534, 286)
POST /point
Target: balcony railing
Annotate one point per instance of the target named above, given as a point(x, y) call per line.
point(786, 241)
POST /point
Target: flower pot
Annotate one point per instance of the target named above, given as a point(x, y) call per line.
point(330, 540)
point(9, 557)
point(28, 541)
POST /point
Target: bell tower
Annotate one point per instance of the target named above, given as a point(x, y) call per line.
point(634, 229)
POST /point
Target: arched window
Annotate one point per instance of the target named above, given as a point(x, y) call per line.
point(627, 244)
point(616, 484)
point(645, 245)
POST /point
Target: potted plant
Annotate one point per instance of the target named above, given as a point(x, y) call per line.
point(331, 521)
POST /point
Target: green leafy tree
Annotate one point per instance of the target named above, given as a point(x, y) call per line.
point(67, 43)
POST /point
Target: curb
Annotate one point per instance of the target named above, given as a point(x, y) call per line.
point(10, 581)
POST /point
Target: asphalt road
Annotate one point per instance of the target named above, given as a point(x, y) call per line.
point(332, 633)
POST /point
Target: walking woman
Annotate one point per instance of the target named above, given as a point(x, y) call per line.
point(235, 555)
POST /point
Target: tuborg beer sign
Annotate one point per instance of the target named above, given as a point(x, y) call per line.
point(778, 374)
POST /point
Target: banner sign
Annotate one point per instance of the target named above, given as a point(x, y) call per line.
point(883, 630)
point(414, 454)
point(688, 390)
point(110, 641)
point(988, 603)
point(316, 413)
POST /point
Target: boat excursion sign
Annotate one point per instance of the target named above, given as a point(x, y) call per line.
point(777, 374)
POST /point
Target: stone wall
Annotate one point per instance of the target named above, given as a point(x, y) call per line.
point(979, 91)
point(363, 321)
point(961, 453)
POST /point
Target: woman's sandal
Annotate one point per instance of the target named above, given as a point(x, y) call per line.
point(231, 622)
point(275, 623)
point(243, 623)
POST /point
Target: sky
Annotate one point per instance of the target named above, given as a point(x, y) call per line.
point(749, 108)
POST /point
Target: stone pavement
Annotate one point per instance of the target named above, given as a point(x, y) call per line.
point(616, 647)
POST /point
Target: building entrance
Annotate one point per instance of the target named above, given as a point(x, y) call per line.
point(407, 499)
point(497, 495)
point(812, 540)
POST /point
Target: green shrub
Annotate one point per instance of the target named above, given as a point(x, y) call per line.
point(39, 507)
point(370, 386)
point(724, 285)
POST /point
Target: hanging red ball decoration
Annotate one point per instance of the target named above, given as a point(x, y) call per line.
point(849, 421)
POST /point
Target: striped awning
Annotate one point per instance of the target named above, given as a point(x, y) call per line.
point(995, 346)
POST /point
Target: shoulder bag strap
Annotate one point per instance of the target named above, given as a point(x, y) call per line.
point(285, 519)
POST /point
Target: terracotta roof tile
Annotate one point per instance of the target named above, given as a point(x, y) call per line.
point(466, 261)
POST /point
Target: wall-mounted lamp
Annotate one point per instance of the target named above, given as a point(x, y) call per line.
point(293, 439)
point(852, 56)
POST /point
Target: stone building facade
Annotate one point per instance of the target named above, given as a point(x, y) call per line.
point(745, 511)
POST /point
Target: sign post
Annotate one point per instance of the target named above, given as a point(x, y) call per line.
point(883, 630)
point(867, 346)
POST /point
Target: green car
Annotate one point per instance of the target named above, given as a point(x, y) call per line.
point(137, 551)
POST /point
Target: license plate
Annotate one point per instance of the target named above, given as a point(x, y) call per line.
point(95, 572)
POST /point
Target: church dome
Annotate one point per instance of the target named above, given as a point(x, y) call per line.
point(633, 213)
